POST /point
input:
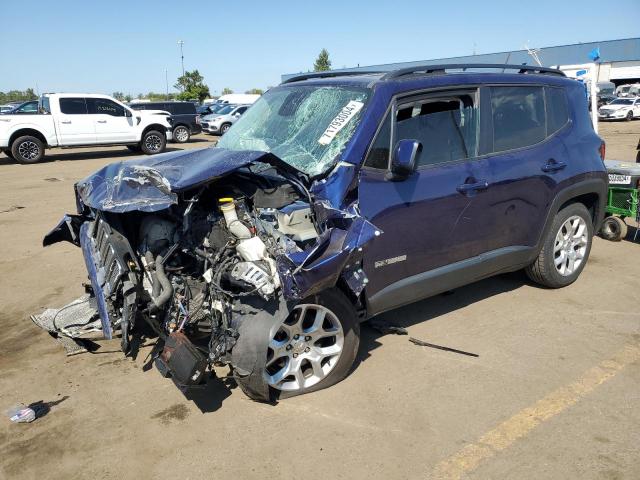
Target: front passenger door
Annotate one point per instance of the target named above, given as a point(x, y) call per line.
point(429, 219)
point(112, 124)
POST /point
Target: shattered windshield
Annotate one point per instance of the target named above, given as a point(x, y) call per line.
point(305, 126)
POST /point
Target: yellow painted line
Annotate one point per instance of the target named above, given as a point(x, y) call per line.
point(523, 422)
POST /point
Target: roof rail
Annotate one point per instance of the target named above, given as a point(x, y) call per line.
point(440, 69)
point(327, 74)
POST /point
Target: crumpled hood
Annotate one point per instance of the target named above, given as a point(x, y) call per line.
point(150, 184)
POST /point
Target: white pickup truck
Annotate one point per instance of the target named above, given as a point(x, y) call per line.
point(80, 119)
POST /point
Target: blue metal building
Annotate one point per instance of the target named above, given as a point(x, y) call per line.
point(619, 60)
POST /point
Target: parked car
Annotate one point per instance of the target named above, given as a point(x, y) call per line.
point(6, 108)
point(237, 98)
point(185, 118)
point(82, 119)
point(23, 108)
point(337, 197)
point(220, 122)
point(210, 108)
point(629, 90)
point(620, 109)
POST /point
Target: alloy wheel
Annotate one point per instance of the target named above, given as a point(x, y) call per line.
point(570, 245)
point(29, 150)
point(153, 143)
point(304, 349)
point(181, 134)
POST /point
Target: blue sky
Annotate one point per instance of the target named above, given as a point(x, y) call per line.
point(71, 45)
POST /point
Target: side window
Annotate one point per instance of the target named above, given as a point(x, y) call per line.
point(184, 109)
point(446, 126)
point(518, 117)
point(104, 106)
point(73, 106)
point(241, 110)
point(557, 109)
point(378, 156)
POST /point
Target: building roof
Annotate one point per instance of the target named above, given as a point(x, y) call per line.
point(610, 51)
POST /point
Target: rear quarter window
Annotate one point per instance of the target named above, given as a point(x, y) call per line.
point(183, 109)
point(557, 109)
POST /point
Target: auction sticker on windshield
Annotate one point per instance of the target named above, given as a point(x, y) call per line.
point(339, 122)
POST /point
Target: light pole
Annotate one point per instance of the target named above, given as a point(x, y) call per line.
point(166, 81)
point(181, 43)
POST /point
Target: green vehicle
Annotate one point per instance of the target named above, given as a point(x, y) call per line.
point(622, 201)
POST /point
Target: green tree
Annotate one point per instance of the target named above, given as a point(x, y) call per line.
point(226, 91)
point(192, 86)
point(322, 63)
point(255, 91)
point(118, 96)
point(127, 98)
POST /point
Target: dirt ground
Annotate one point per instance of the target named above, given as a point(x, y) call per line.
point(553, 394)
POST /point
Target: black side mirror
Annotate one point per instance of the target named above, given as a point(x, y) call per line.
point(403, 161)
point(127, 113)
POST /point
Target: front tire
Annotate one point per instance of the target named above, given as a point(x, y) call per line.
point(629, 116)
point(153, 142)
point(313, 348)
point(224, 128)
point(27, 150)
point(613, 229)
point(565, 250)
point(181, 134)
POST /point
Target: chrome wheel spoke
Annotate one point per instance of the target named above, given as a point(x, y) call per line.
point(570, 245)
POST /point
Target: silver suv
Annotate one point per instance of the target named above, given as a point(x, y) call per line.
point(220, 122)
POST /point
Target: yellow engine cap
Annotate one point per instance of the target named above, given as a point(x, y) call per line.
point(225, 200)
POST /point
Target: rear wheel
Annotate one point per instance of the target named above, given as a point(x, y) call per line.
point(312, 349)
point(27, 149)
point(153, 142)
point(181, 134)
point(613, 228)
point(565, 250)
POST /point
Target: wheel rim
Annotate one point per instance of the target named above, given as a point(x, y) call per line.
point(181, 134)
point(153, 143)
point(570, 245)
point(304, 349)
point(224, 128)
point(29, 150)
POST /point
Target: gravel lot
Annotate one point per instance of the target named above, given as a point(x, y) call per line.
point(553, 394)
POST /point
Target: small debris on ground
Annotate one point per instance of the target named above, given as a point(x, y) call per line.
point(387, 329)
point(52, 179)
point(12, 208)
point(440, 347)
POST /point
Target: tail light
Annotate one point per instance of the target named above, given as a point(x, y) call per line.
point(197, 119)
point(602, 150)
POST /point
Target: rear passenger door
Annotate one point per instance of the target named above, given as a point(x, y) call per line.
point(74, 124)
point(526, 159)
point(112, 124)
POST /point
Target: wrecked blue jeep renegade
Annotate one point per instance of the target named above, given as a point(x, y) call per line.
point(334, 198)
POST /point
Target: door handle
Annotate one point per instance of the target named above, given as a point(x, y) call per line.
point(473, 187)
point(66, 122)
point(553, 166)
point(102, 121)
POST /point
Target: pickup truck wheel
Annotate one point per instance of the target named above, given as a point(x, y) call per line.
point(153, 142)
point(224, 128)
point(181, 134)
point(565, 250)
point(312, 349)
point(27, 149)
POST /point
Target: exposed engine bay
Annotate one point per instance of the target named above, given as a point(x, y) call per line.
point(222, 260)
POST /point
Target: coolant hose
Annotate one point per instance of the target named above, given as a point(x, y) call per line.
point(162, 288)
